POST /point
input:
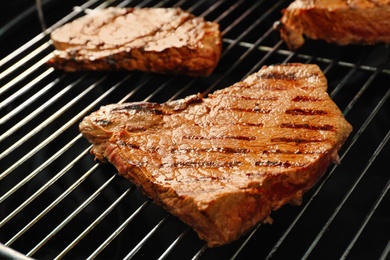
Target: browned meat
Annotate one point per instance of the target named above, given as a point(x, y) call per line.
point(223, 163)
point(341, 22)
point(147, 39)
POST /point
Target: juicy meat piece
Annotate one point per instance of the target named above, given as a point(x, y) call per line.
point(223, 163)
point(147, 39)
point(342, 22)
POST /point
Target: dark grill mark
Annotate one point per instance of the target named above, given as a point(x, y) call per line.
point(132, 146)
point(103, 122)
point(214, 149)
point(142, 107)
point(269, 98)
point(121, 143)
point(135, 129)
point(230, 123)
point(307, 126)
point(252, 124)
point(233, 150)
point(279, 76)
point(229, 150)
point(252, 175)
point(203, 164)
point(305, 112)
point(226, 150)
point(273, 87)
point(305, 99)
point(285, 164)
point(279, 151)
point(264, 98)
point(293, 140)
point(237, 137)
point(252, 110)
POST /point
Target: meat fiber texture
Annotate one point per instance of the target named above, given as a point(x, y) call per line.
point(342, 22)
point(223, 163)
point(164, 40)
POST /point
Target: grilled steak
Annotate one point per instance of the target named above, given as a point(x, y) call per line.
point(341, 22)
point(223, 163)
point(147, 39)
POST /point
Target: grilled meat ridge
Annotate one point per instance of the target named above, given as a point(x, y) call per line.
point(164, 40)
point(223, 163)
point(342, 22)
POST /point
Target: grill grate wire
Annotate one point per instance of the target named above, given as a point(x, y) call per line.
point(40, 109)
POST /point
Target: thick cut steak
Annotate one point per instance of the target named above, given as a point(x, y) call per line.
point(341, 22)
point(223, 163)
point(165, 40)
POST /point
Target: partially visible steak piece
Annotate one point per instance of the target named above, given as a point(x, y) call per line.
point(342, 22)
point(223, 163)
point(165, 40)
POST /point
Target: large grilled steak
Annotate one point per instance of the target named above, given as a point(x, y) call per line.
point(341, 22)
point(165, 40)
point(223, 163)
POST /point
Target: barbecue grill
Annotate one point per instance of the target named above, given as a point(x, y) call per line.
point(56, 202)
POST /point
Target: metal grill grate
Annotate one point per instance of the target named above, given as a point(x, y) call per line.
point(55, 202)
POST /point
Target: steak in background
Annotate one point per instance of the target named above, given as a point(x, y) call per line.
point(223, 163)
point(341, 22)
point(164, 40)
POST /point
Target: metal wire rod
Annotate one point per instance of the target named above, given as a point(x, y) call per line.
point(39, 192)
point(43, 125)
point(34, 53)
point(174, 244)
point(42, 166)
point(377, 202)
point(118, 230)
point(322, 183)
point(94, 224)
point(75, 212)
point(200, 252)
point(53, 204)
point(26, 103)
point(38, 4)
point(40, 36)
point(23, 75)
point(145, 239)
point(345, 198)
point(248, 238)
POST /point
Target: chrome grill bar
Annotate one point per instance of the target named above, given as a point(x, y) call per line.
point(40, 36)
point(348, 194)
point(77, 211)
point(25, 104)
point(43, 125)
point(132, 253)
point(114, 234)
point(36, 194)
point(102, 216)
point(22, 61)
point(174, 244)
point(375, 206)
point(50, 207)
point(323, 182)
point(23, 75)
point(37, 170)
point(386, 252)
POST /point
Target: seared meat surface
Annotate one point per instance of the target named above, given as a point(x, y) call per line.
point(165, 40)
point(341, 22)
point(223, 163)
